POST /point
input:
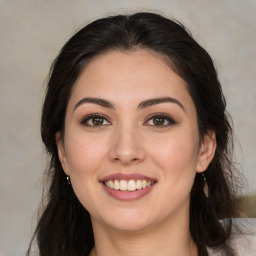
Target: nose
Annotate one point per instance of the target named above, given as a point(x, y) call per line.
point(127, 147)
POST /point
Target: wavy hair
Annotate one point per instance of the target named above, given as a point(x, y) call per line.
point(64, 227)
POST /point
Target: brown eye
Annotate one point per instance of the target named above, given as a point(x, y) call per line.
point(95, 120)
point(158, 121)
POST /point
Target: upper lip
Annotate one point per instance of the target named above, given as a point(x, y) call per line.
point(123, 176)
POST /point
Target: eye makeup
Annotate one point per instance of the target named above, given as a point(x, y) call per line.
point(95, 120)
point(159, 120)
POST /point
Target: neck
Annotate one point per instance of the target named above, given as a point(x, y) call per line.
point(163, 239)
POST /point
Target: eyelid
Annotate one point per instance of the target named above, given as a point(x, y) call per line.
point(169, 118)
point(165, 116)
point(89, 116)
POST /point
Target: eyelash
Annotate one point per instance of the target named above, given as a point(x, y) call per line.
point(164, 116)
point(86, 119)
point(170, 120)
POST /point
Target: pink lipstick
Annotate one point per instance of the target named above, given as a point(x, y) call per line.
point(127, 186)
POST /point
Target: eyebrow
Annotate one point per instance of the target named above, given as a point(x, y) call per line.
point(142, 105)
point(97, 101)
point(155, 101)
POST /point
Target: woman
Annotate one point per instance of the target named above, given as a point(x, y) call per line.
point(139, 142)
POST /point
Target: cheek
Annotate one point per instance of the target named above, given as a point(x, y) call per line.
point(176, 154)
point(176, 157)
point(84, 155)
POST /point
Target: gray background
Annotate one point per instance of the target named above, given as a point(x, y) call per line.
point(32, 33)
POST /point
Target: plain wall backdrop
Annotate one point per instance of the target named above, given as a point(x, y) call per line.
point(33, 31)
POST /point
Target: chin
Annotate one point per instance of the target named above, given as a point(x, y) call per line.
point(130, 225)
point(125, 220)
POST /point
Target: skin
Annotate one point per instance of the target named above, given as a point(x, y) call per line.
point(130, 141)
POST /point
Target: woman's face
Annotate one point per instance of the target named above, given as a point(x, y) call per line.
point(131, 142)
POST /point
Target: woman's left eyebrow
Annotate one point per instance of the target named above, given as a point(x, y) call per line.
point(155, 101)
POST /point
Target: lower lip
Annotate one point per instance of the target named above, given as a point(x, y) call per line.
point(128, 195)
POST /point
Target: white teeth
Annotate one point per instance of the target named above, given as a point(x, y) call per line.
point(130, 185)
point(123, 185)
point(111, 184)
point(139, 184)
point(116, 184)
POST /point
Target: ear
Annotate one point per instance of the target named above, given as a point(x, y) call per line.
point(207, 151)
point(61, 152)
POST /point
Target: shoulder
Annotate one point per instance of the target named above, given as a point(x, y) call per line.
point(243, 238)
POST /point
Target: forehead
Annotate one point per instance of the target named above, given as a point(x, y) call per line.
point(129, 76)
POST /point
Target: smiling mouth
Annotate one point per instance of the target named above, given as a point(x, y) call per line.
point(128, 185)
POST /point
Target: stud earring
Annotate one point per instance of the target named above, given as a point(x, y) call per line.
point(205, 188)
point(68, 179)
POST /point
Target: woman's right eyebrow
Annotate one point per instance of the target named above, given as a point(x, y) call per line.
point(97, 101)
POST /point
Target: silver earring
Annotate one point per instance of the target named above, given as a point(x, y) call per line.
point(205, 188)
point(68, 179)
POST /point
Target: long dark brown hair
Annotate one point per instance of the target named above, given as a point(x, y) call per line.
point(64, 227)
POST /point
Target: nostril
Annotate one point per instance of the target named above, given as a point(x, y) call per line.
point(126, 151)
point(127, 159)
